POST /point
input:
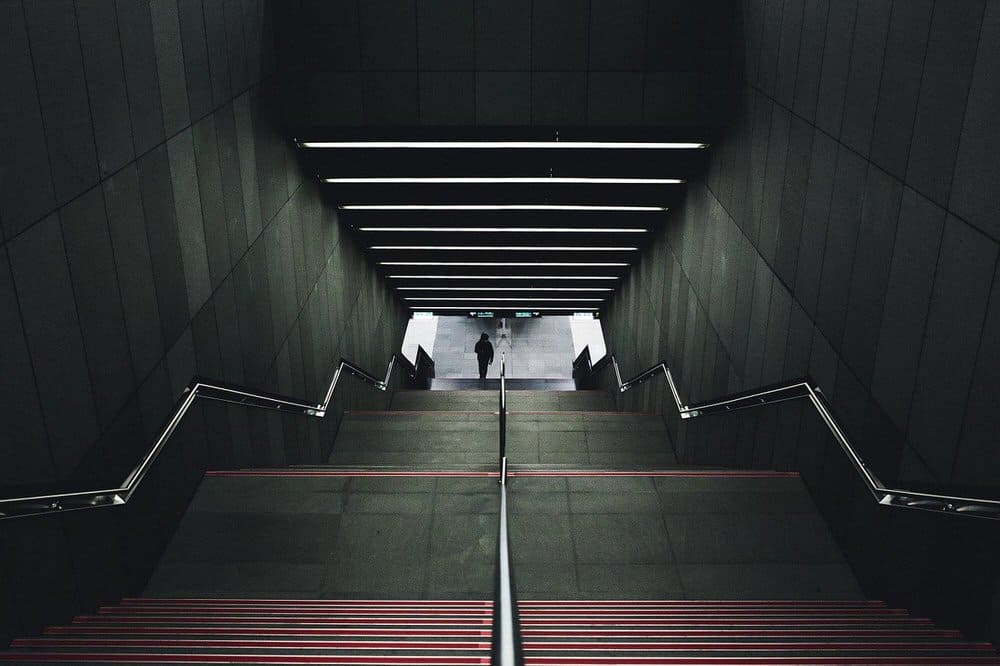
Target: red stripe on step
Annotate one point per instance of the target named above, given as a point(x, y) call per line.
point(743, 621)
point(526, 612)
point(153, 644)
point(536, 646)
point(722, 661)
point(750, 646)
point(418, 412)
point(273, 631)
point(351, 473)
point(148, 658)
point(533, 612)
point(510, 412)
point(351, 602)
point(335, 612)
point(662, 473)
point(125, 657)
point(699, 602)
point(740, 633)
point(224, 619)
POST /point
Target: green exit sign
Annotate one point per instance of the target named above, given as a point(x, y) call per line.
point(484, 314)
point(526, 314)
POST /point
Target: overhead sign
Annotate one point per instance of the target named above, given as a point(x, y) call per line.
point(527, 314)
point(482, 314)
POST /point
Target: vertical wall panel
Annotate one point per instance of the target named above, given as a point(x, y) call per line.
point(135, 30)
point(62, 94)
point(24, 449)
point(102, 61)
point(95, 285)
point(52, 329)
point(27, 193)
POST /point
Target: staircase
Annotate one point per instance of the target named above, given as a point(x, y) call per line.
point(458, 633)
point(387, 555)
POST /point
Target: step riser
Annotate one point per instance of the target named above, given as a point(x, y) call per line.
point(595, 646)
point(527, 633)
point(136, 658)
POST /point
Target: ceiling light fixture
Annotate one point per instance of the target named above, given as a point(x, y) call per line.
point(472, 307)
point(575, 207)
point(602, 264)
point(504, 288)
point(480, 145)
point(555, 180)
point(504, 277)
point(507, 248)
point(525, 230)
point(494, 300)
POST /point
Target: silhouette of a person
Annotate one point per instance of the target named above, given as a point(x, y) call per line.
point(484, 353)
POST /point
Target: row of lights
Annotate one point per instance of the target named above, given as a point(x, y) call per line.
point(507, 207)
point(479, 145)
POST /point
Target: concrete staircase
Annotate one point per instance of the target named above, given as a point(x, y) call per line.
point(386, 555)
point(458, 633)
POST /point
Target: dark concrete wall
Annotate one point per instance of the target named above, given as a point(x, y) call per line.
point(847, 229)
point(155, 225)
point(504, 62)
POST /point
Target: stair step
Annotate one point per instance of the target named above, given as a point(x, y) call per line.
point(232, 658)
point(432, 660)
point(896, 632)
point(408, 643)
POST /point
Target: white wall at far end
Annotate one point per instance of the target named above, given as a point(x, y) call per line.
point(588, 332)
point(419, 332)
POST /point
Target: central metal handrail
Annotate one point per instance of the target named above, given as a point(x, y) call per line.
point(503, 419)
point(506, 632)
point(805, 388)
point(209, 389)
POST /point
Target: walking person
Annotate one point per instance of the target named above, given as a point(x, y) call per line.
point(484, 353)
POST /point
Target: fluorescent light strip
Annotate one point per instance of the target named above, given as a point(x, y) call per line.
point(506, 248)
point(533, 180)
point(525, 230)
point(494, 300)
point(504, 288)
point(504, 277)
point(504, 308)
point(502, 263)
point(625, 209)
point(479, 145)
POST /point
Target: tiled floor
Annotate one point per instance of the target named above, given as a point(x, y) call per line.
point(334, 538)
point(677, 538)
point(534, 348)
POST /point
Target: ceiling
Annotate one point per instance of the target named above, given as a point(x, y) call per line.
point(551, 71)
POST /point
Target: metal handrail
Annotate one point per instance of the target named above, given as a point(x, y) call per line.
point(506, 632)
point(17, 507)
point(503, 419)
point(805, 388)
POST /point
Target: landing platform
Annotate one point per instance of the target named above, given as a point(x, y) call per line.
point(538, 384)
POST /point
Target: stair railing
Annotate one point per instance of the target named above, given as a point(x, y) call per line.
point(794, 390)
point(198, 388)
point(506, 632)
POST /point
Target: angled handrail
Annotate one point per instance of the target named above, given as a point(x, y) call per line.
point(805, 388)
point(211, 389)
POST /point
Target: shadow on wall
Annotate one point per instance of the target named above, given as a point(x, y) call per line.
point(164, 230)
